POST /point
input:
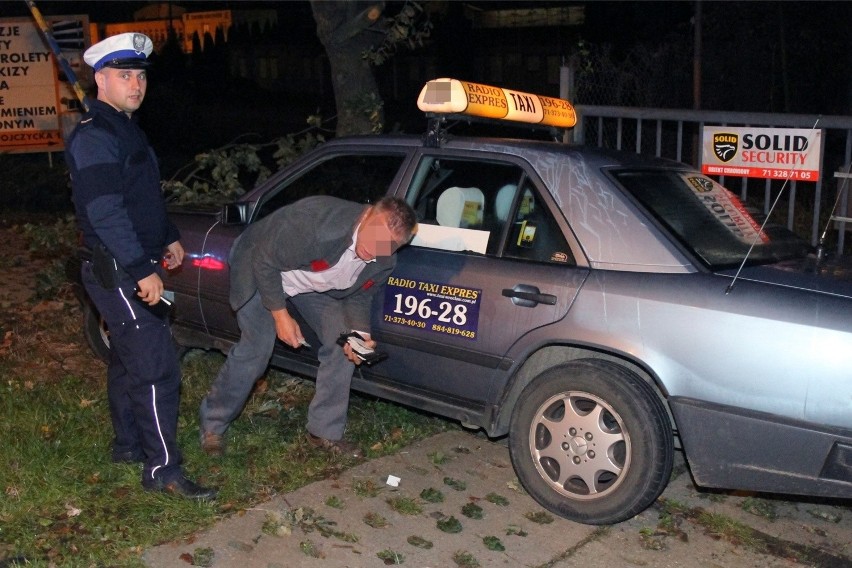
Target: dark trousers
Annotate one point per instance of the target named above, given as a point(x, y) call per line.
point(143, 378)
point(249, 357)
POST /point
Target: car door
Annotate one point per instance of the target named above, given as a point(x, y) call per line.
point(362, 174)
point(489, 264)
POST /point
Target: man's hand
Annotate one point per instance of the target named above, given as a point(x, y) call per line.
point(287, 329)
point(150, 289)
point(347, 349)
point(174, 257)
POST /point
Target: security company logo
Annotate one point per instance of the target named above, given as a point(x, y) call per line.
point(701, 184)
point(725, 145)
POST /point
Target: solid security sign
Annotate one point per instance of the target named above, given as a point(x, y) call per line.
point(773, 153)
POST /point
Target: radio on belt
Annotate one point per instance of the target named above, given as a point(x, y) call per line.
point(359, 348)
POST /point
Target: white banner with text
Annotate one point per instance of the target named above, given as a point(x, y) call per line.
point(769, 153)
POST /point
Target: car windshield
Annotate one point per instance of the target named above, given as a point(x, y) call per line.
point(708, 219)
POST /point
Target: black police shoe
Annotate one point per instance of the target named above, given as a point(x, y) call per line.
point(181, 487)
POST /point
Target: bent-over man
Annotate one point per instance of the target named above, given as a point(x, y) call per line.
point(327, 257)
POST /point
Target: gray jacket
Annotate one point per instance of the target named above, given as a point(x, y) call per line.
point(310, 234)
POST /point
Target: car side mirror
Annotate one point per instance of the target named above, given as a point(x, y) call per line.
point(234, 214)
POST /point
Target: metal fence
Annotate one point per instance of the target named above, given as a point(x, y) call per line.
point(677, 134)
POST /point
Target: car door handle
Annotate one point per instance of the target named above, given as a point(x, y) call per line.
point(528, 296)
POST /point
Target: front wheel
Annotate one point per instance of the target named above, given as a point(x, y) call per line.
point(591, 442)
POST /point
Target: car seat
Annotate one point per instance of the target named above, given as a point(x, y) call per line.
point(460, 207)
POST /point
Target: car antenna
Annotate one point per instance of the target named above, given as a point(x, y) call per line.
point(820, 252)
point(768, 215)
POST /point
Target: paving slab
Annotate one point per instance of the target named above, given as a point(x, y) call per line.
point(358, 519)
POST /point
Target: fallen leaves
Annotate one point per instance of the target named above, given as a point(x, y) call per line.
point(7, 342)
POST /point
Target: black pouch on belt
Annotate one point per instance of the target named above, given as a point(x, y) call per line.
point(105, 269)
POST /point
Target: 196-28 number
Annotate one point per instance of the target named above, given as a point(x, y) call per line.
point(446, 312)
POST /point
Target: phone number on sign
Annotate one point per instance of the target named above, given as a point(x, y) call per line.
point(454, 331)
point(788, 174)
point(405, 321)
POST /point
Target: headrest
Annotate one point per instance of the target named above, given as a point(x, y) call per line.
point(460, 207)
point(503, 201)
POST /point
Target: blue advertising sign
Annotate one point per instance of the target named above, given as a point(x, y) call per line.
point(431, 306)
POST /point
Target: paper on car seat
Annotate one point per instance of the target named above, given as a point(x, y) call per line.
point(450, 238)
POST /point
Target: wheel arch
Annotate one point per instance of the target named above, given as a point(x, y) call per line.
point(552, 355)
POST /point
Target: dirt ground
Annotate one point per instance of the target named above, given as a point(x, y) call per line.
point(19, 268)
point(19, 308)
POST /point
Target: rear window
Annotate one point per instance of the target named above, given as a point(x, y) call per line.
point(364, 178)
point(709, 220)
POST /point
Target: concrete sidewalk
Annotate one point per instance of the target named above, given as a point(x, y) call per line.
point(360, 520)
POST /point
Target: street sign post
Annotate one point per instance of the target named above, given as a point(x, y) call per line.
point(36, 105)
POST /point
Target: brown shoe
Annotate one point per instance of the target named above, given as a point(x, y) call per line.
point(212, 444)
point(340, 447)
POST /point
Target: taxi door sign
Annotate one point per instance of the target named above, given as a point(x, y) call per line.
point(442, 308)
point(768, 153)
point(475, 99)
point(31, 101)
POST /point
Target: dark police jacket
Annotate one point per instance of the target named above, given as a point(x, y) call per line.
point(310, 234)
point(115, 184)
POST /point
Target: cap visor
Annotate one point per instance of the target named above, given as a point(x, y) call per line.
point(130, 63)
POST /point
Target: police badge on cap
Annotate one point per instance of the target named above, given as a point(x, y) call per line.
point(123, 51)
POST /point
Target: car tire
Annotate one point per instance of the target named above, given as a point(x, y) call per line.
point(95, 331)
point(97, 334)
point(591, 442)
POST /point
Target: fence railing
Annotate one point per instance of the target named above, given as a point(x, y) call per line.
point(677, 134)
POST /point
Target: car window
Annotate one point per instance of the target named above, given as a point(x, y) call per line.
point(534, 234)
point(473, 205)
point(708, 219)
point(364, 178)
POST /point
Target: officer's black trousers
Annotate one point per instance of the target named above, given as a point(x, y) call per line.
point(143, 378)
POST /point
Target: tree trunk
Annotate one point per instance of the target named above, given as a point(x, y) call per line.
point(343, 28)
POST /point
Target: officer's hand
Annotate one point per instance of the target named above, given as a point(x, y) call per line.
point(150, 289)
point(174, 257)
point(347, 349)
point(287, 329)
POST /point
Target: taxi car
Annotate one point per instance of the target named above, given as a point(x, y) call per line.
point(602, 309)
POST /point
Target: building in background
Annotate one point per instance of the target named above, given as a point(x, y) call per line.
point(520, 47)
point(156, 20)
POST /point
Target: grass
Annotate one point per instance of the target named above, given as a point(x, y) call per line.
point(64, 503)
point(405, 505)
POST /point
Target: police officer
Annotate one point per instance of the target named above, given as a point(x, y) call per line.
point(121, 213)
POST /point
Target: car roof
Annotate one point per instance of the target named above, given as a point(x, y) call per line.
point(594, 156)
point(633, 243)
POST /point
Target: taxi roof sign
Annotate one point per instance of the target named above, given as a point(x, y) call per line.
point(452, 96)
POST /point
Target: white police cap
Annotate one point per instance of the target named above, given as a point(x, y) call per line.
point(123, 51)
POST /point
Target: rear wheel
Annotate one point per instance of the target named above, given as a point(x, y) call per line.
point(95, 331)
point(591, 442)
